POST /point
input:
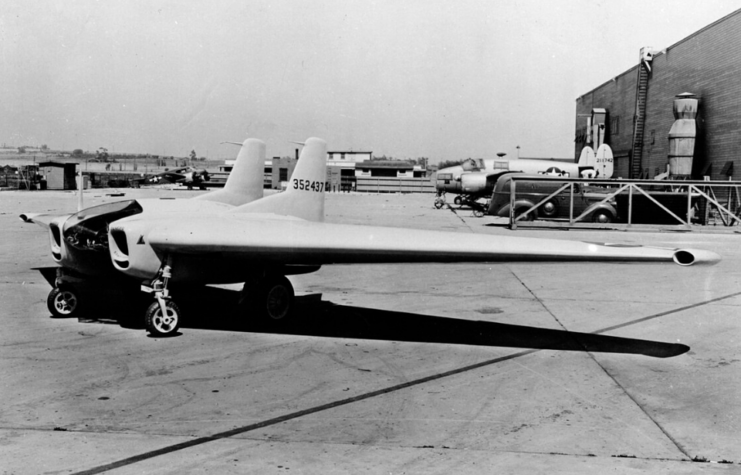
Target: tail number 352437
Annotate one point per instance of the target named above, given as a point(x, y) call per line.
point(308, 185)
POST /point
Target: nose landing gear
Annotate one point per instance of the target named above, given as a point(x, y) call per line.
point(162, 318)
point(267, 294)
point(162, 321)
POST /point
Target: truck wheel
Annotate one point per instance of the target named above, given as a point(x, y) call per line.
point(522, 209)
point(549, 209)
point(602, 217)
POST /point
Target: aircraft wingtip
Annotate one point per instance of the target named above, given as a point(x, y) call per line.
point(689, 257)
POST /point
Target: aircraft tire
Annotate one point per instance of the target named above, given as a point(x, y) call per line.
point(63, 302)
point(276, 298)
point(457, 200)
point(158, 326)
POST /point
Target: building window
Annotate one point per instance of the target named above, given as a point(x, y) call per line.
point(342, 156)
point(615, 125)
point(283, 174)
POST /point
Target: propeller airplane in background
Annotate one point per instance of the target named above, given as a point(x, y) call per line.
point(188, 176)
point(474, 179)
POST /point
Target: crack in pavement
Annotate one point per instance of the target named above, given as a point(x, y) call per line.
point(460, 217)
point(606, 372)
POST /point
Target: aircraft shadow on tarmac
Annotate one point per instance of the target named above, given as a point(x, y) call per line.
point(212, 308)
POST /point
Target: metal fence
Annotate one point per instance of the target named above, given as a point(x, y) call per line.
point(694, 203)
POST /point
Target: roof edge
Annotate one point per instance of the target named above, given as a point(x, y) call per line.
point(665, 50)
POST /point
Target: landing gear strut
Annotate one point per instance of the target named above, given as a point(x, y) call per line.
point(163, 315)
point(439, 199)
point(267, 294)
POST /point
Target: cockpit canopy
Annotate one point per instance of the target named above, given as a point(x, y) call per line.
point(88, 229)
point(473, 165)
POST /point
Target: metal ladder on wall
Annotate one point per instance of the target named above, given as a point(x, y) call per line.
point(639, 122)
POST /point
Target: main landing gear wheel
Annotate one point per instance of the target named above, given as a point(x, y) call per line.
point(160, 325)
point(63, 302)
point(269, 298)
point(276, 298)
point(457, 200)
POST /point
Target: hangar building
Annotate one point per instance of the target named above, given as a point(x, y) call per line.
point(58, 175)
point(635, 108)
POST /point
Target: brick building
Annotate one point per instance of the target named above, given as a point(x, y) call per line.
point(635, 107)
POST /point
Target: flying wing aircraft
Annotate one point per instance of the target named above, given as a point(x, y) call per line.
point(474, 179)
point(218, 240)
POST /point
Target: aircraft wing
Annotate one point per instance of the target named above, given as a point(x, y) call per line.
point(42, 220)
point(170, 177)
point(286, 240)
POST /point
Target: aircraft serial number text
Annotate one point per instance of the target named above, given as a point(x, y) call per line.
point(308, 185)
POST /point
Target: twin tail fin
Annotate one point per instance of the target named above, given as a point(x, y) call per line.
point(245, 182)
point(304, 196)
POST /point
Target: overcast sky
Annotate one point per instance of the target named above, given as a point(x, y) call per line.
point(440, 79)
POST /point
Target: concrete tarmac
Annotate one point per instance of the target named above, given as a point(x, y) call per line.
point(573, 368)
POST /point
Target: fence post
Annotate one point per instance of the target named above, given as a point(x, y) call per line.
point(689, 204)
point(512, 222)
point(571, 203)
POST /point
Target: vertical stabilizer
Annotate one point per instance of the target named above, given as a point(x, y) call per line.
point(605, 161)
point(587, 157)
point(245, 182)
point(304, 196)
